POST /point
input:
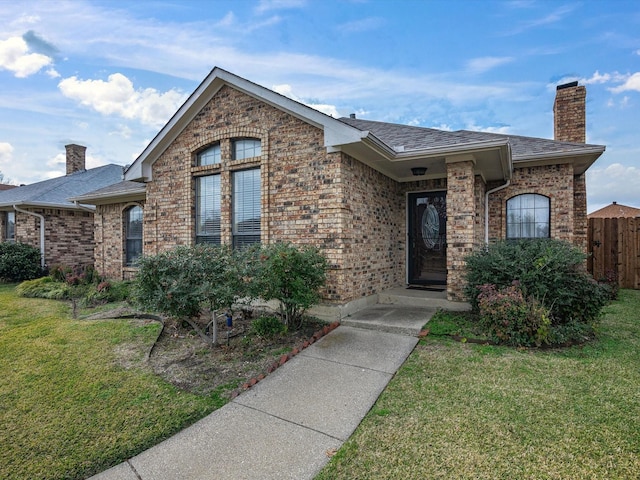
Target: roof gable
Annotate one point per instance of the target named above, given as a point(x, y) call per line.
point(335, 132)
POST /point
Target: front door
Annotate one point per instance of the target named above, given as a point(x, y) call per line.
point(427, 252)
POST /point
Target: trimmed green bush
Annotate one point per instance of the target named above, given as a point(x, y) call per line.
point(552, 272)
point(19, 262)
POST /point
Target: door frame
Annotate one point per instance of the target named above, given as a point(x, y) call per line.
point(408, 234)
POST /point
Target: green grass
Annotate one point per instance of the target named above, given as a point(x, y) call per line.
point(464, 411)
point(68, 409)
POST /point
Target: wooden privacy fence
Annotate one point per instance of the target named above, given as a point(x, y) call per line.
point(614, 249)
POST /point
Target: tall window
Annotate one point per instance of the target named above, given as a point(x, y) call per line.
point(246, 148)
point(133, 234)
point(528, 216)
point(10, 227)
point(210, 156)
point(208, 209)
point(246, 207)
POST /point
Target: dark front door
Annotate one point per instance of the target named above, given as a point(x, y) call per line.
point(427, 238)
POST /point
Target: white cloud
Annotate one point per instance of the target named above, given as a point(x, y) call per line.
point(268, 5)
point(631, 83)
point(287, 91)
point(616, 182)
point(503, 130)
point(597, 78)
point(483, 64)
point(117, 96)
point(6, 153)
point(15, 57)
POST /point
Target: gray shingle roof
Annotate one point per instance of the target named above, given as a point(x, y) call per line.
point(417, 138)
point(56, 192)
point(122, 188)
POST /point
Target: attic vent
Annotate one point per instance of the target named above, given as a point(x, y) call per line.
point(398, 148)
point(352, 115)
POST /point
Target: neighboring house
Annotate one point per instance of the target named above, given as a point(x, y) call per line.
point(41, 214)
point(4, 186)
point(389, 205)
point(616, 210)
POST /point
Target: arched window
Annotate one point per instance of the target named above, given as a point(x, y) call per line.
point(133, 234)
point(246, 148)
point(528, 216)
point(210, 156)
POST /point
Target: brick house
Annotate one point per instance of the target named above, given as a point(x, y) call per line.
point(41, 214)
point(389, 205)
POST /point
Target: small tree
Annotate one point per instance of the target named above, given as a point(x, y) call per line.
point(293, 276)
point(181, 282)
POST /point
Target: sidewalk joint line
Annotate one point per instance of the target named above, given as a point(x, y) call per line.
point(303, 354)
point(133, 469)
point(289, 421)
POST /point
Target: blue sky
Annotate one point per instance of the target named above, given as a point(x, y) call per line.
point(108, 74)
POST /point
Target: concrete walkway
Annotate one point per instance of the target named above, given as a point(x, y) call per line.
point(287, 425)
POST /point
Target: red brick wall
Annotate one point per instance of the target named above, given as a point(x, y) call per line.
point(554, 181)
point(109, 240)
point(68, 235)
point(350, 211)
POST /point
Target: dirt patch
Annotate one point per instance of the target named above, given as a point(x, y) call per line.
point(182, 358)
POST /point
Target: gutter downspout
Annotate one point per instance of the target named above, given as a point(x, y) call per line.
point(42, 262)
point(486, 209)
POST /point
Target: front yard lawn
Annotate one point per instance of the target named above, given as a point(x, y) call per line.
point(68, 409)
point(78, 396)
point(466, 411)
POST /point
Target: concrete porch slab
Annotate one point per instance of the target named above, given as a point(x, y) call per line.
point(391, 318)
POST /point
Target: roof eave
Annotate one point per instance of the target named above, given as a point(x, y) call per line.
point(27, 204)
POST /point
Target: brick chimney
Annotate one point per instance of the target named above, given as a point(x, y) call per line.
point(569, 113)
point(75, 158)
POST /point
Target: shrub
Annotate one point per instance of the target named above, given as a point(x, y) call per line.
point(551, 271)
point(19, 262)
point(293, 276)
point(511, 319)
point(105, 292)
point(267, 326)
point(44, 287)
point(181, 282)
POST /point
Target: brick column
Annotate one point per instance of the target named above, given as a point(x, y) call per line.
point(461, 207)
point(580, 211)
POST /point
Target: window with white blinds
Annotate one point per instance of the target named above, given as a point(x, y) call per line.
point(246, 207)
point(133, 234)
point(208, 209)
